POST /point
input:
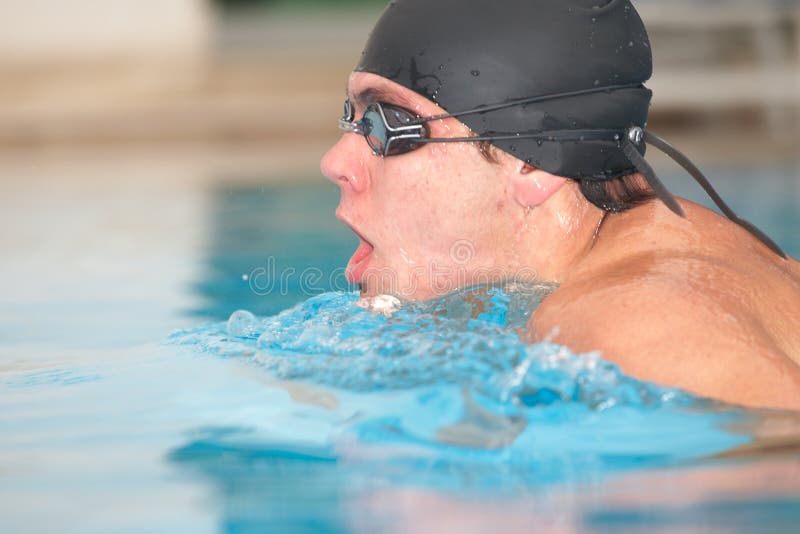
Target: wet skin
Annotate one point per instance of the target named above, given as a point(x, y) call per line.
point(696, 303)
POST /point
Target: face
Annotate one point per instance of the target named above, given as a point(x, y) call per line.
point(429, 221)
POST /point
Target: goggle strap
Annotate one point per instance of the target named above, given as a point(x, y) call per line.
point(531, 100)
point(665, 196)
point(554, 136)
point(653, 181)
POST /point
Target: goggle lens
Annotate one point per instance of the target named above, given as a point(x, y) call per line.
point(375, 130)
point(389, 131)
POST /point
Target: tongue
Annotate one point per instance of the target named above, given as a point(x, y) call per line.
point(363, 250)
point(358, 263)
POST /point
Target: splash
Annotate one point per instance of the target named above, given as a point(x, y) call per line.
point(397, 387)
point(471, 339)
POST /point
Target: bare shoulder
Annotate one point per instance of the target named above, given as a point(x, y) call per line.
point(679, 321)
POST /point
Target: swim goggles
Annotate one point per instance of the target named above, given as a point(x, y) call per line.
point(391, 130)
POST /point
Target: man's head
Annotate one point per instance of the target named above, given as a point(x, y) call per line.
point(552, 85)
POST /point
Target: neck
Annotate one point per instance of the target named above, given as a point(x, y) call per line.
point(557, 236)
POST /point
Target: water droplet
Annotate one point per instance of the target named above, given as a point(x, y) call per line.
point(539, 142)
point(475, 72)
point(596, 83)
point(242, 323)
point(630, 44)
point(441, 67)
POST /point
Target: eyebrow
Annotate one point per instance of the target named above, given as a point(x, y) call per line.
point(371, 95)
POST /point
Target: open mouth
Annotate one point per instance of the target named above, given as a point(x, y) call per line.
point(359, 262)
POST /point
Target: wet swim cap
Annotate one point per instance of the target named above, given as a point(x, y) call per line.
point(463, 55)
point(565, 67)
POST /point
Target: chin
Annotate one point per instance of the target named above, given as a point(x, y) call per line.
point(389, 281)
point(412, 283)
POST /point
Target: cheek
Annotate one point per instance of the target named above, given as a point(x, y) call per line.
point(434, 199)
point(401, 199)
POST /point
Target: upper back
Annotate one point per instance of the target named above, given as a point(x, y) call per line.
point(696, 303)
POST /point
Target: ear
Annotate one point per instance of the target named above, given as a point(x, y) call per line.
point(531, 186)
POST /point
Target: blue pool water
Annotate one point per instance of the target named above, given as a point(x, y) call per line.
point(305, 411)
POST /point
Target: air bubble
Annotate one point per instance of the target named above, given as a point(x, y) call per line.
point(475, 72)
point(244, 324)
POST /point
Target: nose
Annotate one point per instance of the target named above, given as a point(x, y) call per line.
point(345, 163)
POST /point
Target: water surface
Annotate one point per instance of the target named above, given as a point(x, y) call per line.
point(133, 398)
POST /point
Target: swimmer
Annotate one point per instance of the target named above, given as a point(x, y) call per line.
point(487, 141)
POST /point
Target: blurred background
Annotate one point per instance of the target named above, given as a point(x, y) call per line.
point(242, 71)
point(154, 153)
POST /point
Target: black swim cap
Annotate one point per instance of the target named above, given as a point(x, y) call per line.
point(464, 55)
